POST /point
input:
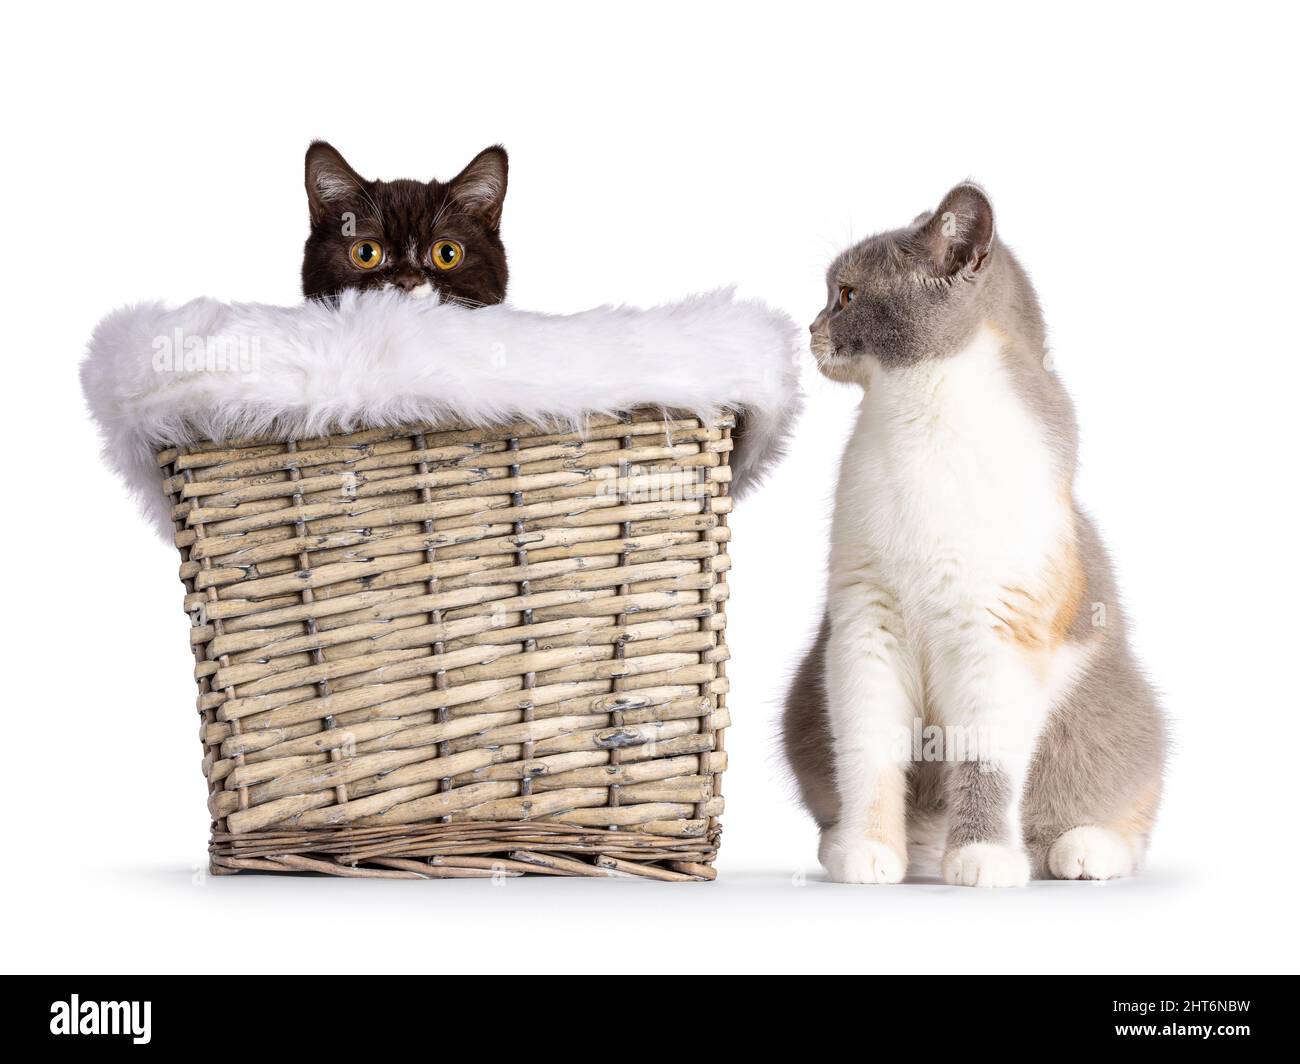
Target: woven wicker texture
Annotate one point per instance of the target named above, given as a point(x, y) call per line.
point(433, 653)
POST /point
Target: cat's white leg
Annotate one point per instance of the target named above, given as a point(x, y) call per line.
point(994, 706)
point(872, 696)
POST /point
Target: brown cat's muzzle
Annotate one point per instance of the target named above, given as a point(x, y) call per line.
point(408, 280)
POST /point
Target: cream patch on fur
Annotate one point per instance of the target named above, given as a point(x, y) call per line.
point(380, 359)
point(886, 816)
point(1040, 618)
point(870, 845)
point(1134, 826)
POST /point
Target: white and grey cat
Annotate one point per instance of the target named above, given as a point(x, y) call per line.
point(971, 705)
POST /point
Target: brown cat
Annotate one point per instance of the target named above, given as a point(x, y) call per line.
point(433, 239)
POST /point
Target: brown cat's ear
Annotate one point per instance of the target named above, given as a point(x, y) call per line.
point(331, 182)
point(959, 235)
point(481, 187)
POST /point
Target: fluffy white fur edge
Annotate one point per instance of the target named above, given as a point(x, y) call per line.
point(380, 359)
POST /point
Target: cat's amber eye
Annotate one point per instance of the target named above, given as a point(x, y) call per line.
point(446, 254)
point(366, 254)
point(846, 295)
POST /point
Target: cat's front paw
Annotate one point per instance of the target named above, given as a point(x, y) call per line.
point(1090, 852)
point(986, 864)
point(850, 858)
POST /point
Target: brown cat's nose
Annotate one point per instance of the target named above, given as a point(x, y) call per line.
point(408, 281)
point(813, 328)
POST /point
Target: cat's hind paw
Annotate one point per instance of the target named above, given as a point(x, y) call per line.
point(985, 864)
point(1090, 852)
point(861, 860)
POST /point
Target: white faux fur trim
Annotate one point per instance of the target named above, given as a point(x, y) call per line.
point(155, 376)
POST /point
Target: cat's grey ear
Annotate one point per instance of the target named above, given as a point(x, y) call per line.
point(331, 182)
point(959, 235)
point(481, 186)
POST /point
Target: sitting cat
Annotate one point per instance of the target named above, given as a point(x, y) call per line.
point(431, 240)
point(971, 699)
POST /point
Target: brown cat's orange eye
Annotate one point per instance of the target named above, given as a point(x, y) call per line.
point(366, 254)
point(846, 295)
point(446, 254)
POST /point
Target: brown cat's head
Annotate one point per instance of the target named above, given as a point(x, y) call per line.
point(438, 240)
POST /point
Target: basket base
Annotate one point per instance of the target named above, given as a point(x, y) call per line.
point(461, 850)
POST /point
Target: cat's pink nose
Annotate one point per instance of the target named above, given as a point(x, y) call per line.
point(408, 281)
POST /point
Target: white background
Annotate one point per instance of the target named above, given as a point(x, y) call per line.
point(1141, 162)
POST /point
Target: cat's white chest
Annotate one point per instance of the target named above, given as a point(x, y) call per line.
point(949, 489)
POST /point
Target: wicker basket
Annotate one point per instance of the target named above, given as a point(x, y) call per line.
point(434, 653)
